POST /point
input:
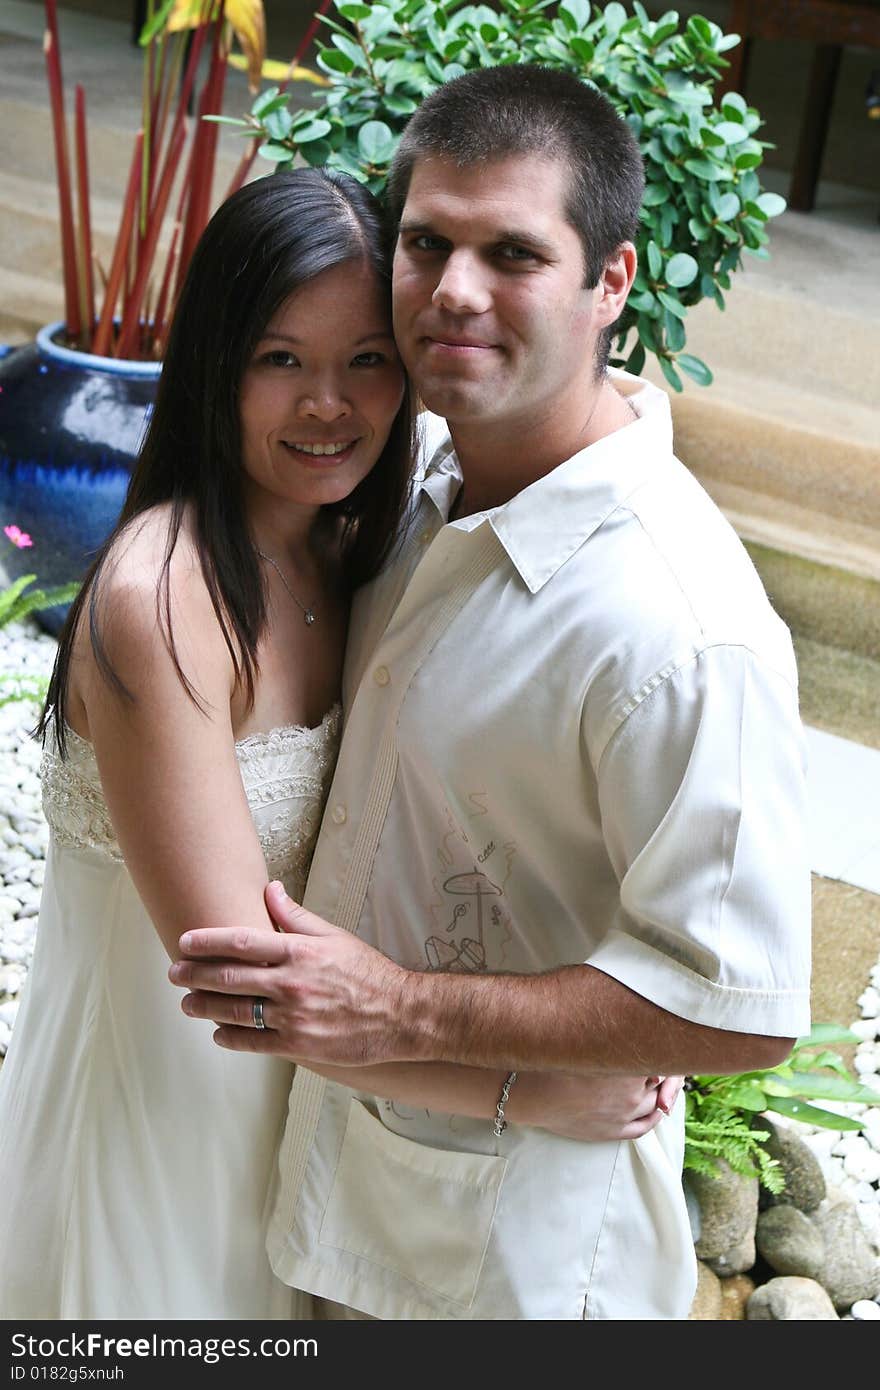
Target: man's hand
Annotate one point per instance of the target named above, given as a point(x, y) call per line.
point(329, 997)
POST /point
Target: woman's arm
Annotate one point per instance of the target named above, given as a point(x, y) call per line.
point(168, 768)
point(587, 1108)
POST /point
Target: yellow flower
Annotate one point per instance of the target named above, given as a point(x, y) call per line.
point(248, 23)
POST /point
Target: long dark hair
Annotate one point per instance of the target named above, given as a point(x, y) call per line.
point(263, 243)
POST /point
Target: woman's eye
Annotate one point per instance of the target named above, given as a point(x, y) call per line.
point(279, 358)
point(368, 359)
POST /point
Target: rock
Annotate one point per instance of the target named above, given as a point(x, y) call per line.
point(866, 1310)
point(850, 1270)
point(706, 1306)
point(790, 1299)
point(736, 1260)
point(790, 1243)
point(735, 1294)
point(804, 1181)
point(863, 1165)
point(728, 1211)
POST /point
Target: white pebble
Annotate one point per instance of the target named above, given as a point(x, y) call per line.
point(8, 1012)
point(866, 1310)
point(866, 1028)
point(866, 1063)
point(869, 1002)
point(863, 1165)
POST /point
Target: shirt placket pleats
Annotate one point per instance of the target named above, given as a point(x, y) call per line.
point(452, 570)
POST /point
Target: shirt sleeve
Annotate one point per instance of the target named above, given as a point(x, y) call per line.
point(703, 804)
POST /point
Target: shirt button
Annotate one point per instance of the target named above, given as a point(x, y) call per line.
point(339, 815)
point(381, 675)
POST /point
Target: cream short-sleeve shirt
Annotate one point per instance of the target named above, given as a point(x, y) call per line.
point(571, 736)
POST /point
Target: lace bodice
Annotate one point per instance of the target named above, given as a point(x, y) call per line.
point(286, 775)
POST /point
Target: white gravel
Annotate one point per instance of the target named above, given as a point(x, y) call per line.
point(849, 1160)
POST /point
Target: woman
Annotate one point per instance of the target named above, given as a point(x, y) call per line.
point(191, 728)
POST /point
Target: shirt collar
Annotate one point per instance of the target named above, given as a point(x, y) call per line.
point(542, 526)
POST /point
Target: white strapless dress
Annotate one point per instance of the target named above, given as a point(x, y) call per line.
point(136, 1155)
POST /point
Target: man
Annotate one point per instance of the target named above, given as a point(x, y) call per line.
point(568, 810)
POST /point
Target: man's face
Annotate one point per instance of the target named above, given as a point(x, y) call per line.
point(491, 315)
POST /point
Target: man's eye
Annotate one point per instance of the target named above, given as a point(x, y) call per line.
point(516, 253)
point(428, 243)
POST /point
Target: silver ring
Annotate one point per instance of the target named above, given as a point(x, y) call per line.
point(258, 1015)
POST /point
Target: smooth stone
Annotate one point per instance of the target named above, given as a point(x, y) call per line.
point(735, 1294)
point(706, 1306)
point(789, 1242)
point(864, 1165)
point(728, 1210)
point(790, 1299)
point(804, 1179)
point(866, 1028)
point(850, 1270)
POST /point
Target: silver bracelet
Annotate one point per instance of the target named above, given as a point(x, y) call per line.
point(500, 1122)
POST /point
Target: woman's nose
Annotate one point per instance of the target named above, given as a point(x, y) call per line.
point(324, 402)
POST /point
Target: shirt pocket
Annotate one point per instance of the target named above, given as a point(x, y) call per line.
point(426, 1214)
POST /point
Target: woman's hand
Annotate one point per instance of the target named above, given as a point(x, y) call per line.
point(592, 1108)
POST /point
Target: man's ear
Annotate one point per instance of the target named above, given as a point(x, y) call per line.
point(615, 283)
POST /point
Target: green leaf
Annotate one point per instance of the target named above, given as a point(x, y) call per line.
point(728, 207)
point(671, 374)
point(575, 14)
point(733, 106)
point(642, 301)
point(400, 105)
point(748, 160)
point(674, 331)
point(818, 1086)
point(771, 204)
point(731, 132)
point(263, 102)
point(157, 23)
point(310, 130)
point(277, 154)
point(695, 368)
point(681, 270)
point(334, 60)
point(375, 142)
point(704, 168)
point(655, 194)
point(671, 304)
point(811, 1114)
point(823, 1033)
point(582, 48)
point(655, 259)
point(354, 12)
point(636, 360)
point(748, 1095)
point(615, 18)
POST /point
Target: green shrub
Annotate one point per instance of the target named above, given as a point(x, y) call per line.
point(703, 202)
point(721, 1111)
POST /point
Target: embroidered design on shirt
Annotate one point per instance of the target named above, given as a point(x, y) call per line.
point(469, 911)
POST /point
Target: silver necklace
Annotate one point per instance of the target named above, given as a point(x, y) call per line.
point(309, 614)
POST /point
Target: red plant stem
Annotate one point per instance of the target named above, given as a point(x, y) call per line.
point(308, 36)
point(68, 239)
point(127, 341)
point(101, 342)
point(164, 292)
point(86, 276)
point(203, 155)
point(245, 164)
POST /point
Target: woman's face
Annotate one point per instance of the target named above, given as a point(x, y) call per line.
point(320, 393)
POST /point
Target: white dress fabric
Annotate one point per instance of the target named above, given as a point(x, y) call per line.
point(136, 1155)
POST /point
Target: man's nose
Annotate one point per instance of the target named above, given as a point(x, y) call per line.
point(463, 287)
point(324, 401)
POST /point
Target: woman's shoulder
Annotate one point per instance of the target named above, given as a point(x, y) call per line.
point(152, 577)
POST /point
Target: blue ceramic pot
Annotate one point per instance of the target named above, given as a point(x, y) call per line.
point(70, 428)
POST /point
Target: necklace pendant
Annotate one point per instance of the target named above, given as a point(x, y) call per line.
point(309, 617)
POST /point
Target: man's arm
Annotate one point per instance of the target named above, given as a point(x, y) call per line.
point(332, 999)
